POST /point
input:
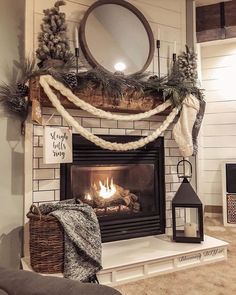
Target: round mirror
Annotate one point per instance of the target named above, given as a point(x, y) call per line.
point(116, 36)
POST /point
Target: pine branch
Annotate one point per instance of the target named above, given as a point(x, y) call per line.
point(59, 3)
point(9, 95)
point(172, 87)
point(25, 69)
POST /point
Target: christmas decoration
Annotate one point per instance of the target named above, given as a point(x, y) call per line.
point(14, 94)
point(187, 66)
point(182, 130)
point(54, 46)
point(17, 103)
point(71, 80)
point(197, 125)
point(23, 89)
point(53, 42)
point(46, 82)
point(115, 87)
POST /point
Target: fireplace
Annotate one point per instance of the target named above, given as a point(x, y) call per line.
point(125, 189)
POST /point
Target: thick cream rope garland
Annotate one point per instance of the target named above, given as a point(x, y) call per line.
point(97, 112)
point(99, 141)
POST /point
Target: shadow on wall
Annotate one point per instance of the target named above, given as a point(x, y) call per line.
point(17, 175)
point(15, 141)
point(11, 248)
point(11, 193)
point(11, 151)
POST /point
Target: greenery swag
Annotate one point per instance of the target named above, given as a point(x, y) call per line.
point(173, 86)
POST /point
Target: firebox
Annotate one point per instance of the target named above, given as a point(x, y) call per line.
point(125, 189)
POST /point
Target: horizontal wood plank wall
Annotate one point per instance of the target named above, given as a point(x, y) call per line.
point(169, 16)
point(218, 64)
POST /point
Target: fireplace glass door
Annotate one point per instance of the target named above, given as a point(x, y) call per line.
point(115, 189)
point(126, 189)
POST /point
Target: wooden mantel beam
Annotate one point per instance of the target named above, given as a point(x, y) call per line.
point(128, 104)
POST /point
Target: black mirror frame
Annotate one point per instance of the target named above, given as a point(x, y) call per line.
point(82, 38)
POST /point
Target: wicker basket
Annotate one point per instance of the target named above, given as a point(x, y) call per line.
point(46, 242)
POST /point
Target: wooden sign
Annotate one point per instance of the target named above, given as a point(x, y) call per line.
point(57, 147)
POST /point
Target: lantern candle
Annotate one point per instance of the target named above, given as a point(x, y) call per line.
point(190, 230)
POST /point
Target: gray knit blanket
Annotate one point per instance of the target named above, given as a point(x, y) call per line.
point(82, 258)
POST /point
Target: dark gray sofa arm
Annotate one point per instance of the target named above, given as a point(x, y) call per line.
point(20, 282)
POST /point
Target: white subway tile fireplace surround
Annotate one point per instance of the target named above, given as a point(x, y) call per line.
point(138, 258)
point(45, 178)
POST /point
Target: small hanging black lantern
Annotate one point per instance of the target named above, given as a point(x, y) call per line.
point(187, 211)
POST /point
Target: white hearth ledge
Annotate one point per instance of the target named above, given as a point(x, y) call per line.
point(135, 259)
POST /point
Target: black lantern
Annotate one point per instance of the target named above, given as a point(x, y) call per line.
point(187, 211)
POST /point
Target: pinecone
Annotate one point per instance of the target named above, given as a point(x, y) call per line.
point(23, 90)
point(187, 64)
point(17, 104)
point(153, 78)
point(71, 80)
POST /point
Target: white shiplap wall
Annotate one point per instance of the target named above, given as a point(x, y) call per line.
point(168, 15)
point(218, 62)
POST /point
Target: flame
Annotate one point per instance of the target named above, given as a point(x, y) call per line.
point(88, 197)
point(106, 190)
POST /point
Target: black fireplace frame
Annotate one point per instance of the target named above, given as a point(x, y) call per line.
point(85, 152)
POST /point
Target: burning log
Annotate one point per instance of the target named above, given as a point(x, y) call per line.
point(112, 209)
point(113, 198)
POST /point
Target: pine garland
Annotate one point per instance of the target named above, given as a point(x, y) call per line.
point(15, 94)
point(110, 85)
point(14, 99)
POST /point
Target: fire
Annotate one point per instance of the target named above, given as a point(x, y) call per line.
point(88, 197)
point(107, 190)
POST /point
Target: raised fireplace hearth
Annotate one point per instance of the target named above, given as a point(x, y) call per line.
point(125, 189)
